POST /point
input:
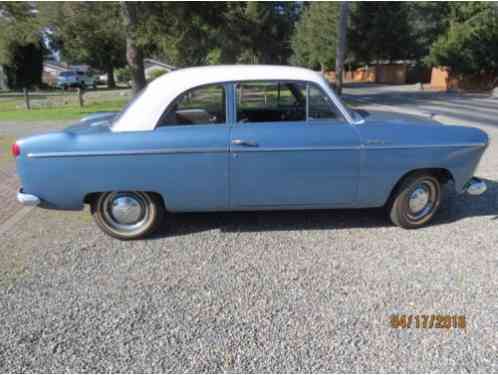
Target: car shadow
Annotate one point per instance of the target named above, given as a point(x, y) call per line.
point(263, 221)
point(457, 207)
point(453, 208)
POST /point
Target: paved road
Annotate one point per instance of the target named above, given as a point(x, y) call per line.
point(284, 291)
point(478, 109)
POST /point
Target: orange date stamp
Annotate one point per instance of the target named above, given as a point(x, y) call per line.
point(423, 321)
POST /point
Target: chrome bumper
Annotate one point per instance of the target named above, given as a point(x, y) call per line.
point(475, 186)
point(27, 199)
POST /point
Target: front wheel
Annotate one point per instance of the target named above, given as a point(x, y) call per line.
point(416, 201)
point(128, 215)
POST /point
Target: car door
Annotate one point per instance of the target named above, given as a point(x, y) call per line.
point(193, 133)
point(291, 147)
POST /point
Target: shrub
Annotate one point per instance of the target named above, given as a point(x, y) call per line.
point(123, 75)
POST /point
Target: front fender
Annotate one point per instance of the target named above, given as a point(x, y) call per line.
point(383, 168)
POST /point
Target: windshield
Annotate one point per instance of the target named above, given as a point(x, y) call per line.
point(355, 115)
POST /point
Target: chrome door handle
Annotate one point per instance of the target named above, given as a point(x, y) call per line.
point(241, 142)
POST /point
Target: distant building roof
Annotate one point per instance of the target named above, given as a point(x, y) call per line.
point(151, 62)
point(53, 65)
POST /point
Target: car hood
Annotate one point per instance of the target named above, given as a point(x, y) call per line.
point(373, 117)
point(395, 129)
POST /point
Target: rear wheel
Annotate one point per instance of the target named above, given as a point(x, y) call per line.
point(416, 201)
point(128, 215)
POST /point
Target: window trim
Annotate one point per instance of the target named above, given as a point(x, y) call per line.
point(225, 87)
point(341, 119)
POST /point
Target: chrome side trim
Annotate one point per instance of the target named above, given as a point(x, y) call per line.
point(364, 147)
point(448, 145)
point(255, 149)
point(475, 186)
point(27, 199)
point(283, 149)
point(125, 152)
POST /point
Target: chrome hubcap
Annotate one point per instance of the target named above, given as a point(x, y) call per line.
point(421, 200)
point(125, 211)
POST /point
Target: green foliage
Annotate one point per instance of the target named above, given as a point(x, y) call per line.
point(428, 20)
point(123, 74)
point(270, 24)
point(186, 34)
point(180, 33)
point(156, 73)
point(86, 32)
point(469, 46)
point(314, 41)
point(381, 31)
point(26, 66)
point(21, 50)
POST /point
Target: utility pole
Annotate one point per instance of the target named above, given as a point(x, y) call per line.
point(342, 30)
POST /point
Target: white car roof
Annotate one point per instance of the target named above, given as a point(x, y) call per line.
point(144, 113)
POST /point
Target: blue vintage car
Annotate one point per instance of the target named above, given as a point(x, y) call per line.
point(231, 138)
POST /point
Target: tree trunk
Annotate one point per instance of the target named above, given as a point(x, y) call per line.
point(342, 29)
point(111, 83)
point(134, 54)
point(80, 97)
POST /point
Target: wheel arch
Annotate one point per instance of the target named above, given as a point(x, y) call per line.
point(443, 175)
point(89, 198)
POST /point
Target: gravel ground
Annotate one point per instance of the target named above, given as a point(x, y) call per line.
point(9, 182)
point(282, 291)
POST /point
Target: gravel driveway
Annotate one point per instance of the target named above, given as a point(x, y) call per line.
point(282, 291)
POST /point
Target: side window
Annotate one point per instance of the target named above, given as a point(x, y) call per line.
point(271, 101)
point(321, 106)
point(201, 105)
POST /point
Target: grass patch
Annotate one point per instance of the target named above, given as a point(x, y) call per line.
point(60, 105)
point(10, 111)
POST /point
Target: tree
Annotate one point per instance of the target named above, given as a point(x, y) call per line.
point(314, 41)
point(87, 32)
point(270, 24)
point(469, 46)
point(342, 29)
point(381, 31)
point(26, 66)
point(182, 34)
point(186, 34)
point(428, 20)
point(134, 53)
point(21, 48)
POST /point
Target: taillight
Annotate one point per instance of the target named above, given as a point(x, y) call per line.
point(16, 150)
